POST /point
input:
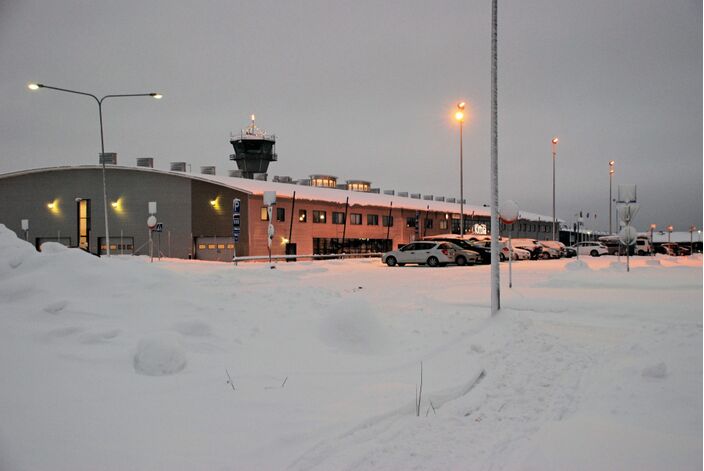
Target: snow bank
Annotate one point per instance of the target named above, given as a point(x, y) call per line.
point(160, 354)
point(577, 265)
point(352, 326)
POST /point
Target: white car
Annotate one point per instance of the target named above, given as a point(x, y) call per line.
point(553, 244)
point(464, 256)
point(595, 249)
point(548, 251)
point(428, 253)
point(520, 254)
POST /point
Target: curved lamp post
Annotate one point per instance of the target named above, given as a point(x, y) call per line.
point(99, 101)
point(459, 116)
point(554, 142)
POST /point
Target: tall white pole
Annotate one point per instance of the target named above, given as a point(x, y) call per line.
point(461, 186)
point(495, 274)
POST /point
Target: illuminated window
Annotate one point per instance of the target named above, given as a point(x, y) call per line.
point(201, 246)
point(302, 215)
point(221, 246)
point(355, 219)
point(372, 219)
point(211, 246)
point(411, 222)
point(230, 246)
point(264, 214)
point(443, 224)
point(318, 217)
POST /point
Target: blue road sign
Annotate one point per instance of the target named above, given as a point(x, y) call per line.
point(159, 227)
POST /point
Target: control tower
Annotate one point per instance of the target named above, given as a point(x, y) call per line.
point(254, 149)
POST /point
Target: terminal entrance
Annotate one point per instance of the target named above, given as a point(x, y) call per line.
point(83, 219)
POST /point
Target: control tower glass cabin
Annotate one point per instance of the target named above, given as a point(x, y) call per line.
point(254, 149)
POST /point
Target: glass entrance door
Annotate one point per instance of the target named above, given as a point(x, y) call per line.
point(84, 224)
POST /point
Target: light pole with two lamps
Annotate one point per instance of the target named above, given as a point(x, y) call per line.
point(99, 101)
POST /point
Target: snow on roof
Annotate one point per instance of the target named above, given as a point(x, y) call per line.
point(312, 193)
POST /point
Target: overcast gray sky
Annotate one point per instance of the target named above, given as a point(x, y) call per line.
point(366, 89)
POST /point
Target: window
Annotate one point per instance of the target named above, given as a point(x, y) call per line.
point(387, 221)
point(428, 223)
point(280, 214)
point(338, 218)
point(302, 215)
point(443, 224)
point(355, 219)
point(318, 216)
point(411, 222)
point(372, 219)
point(264, 214)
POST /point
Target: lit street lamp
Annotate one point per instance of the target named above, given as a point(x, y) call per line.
point(459, 116)
point(611, 174)
point(554, 141)
point(669, 233)
point(158, 96)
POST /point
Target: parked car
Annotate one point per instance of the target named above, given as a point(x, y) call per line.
point(478, 253)
point(531, 245)
point(559, 246)
point(428, 253)
point(570, 252)
point(643, 246)
point(671, 248)
point(464, 256)
point(593, 248)
point(503, 248)
point(549, 252)
point(520, 254)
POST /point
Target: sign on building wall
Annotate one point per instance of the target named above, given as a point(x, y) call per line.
point(236, 219)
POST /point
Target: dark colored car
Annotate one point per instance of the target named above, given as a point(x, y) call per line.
point(484, 252)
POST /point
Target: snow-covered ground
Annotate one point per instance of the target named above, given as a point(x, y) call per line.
point(116, 364)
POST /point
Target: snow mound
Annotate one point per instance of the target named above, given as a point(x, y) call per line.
point(160, 355)
point(53, 247)
point(353, 327)
point(654, 263)
point(13, 250)
point(655, 371)
point(193, 328)
point(576, 265)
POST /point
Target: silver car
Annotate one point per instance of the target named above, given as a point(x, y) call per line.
point(428, 253)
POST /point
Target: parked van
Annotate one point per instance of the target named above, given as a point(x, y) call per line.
point(643, 246)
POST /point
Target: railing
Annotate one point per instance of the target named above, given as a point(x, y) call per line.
point(259, 258)
point(244, 135)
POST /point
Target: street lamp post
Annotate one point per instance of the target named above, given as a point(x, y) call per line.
point(652, 245)
point(459, 116)
point(669, 234)
point(611, 174)
point(554, 141)
point(692, 228)
point(99, 101)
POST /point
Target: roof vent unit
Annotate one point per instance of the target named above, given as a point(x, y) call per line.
point(107, 158)
point(403, 193)
point(415, 196)
point(439, 198)
point(208, 170)
point(358, 185)
point(282, 179)
point(235, 173)
point(326, 181)
point(375, 190)
point(389, 192)
point(260, 177)
point(147, 162)
point(450, 200)
point(428, 197)
point(178, 166)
